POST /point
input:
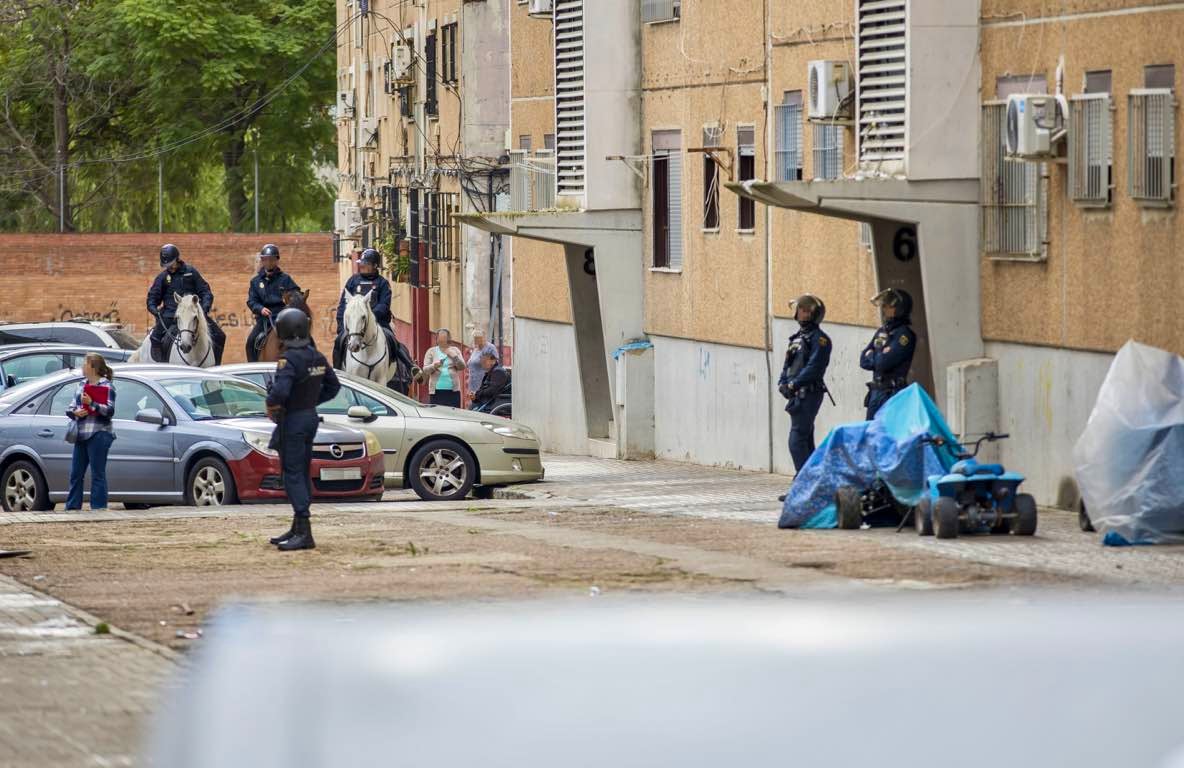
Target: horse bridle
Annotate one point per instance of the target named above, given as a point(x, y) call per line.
point(380, 337)
point(193, 332)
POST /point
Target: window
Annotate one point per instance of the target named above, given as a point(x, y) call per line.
point(131, 397)
point(666, 188)
point(1014, 195)
point(205, 399)
point(789, 137)
point(30, 367)
point(828, 151)
point(63, 399)
point(746, 169)
point(430, 107)
point(1151, 148)
point(261, 379)
point(711, 137)
point(448, 52)
point(660, 10)
point(339, 405)
point(377, 407)
point(1091, 146)
point(524, 142)
point(549, 141)
point(78, 336)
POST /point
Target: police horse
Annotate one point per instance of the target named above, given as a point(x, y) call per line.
point(270, 349)
point(366, 352)
point(189, 342)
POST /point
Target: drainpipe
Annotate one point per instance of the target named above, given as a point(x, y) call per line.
point(768, 88)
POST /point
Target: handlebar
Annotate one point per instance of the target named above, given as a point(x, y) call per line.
point(960, 449)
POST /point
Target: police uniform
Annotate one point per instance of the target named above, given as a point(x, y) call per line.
point(362, 285)
point(889, 357)
point(266, 292)
point(303, 380)
point(162, 302)
point(802, 385)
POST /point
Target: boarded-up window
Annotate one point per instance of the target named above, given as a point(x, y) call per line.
point(666, 191)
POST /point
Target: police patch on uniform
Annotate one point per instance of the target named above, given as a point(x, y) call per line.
point(282, 362)
point(904, 341)
point(822, 341)
point(168, 278)
point(260, 285)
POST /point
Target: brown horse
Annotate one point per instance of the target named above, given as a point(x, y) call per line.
point(270, 351)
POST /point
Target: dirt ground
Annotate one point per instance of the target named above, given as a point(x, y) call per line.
point(156, 578)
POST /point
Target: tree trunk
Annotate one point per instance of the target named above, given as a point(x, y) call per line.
point(61, 134)
point(236, 196)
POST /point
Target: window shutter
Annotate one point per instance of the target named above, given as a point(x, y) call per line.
point(569, 96)
point(882, 80)
point(674, 196)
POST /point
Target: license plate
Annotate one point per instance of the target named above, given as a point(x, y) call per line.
point(349, 473)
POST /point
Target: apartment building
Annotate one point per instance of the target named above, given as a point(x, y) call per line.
point(703, 163)
point(422, 112)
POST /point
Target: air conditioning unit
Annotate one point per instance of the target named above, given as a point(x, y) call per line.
point(345, 105)
point(830, 89)
point(541, 7)
point(1035, 124)
point(347, 217)
point(402, 63)
point(368, 128)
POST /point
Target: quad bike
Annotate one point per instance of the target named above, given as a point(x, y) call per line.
point(875, 505)
point(974, 498)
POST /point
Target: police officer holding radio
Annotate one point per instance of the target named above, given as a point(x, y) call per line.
point(303, 380)
point(890, 353)
point(177, 278)
point(265, 297)
point(801, 381)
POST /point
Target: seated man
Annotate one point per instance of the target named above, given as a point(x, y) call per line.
point(493, 385)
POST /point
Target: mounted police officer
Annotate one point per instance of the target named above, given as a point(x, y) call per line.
point(890, 353)
point(179, 279)
point(369, 280)
point(265, 297)
point(801, 382)
point(303, 380)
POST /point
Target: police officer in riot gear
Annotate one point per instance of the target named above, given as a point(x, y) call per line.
point(801, 382)
point(890, 353)
point(178, 279)
point(367, 280)
point(265, 297)
point(303, 380)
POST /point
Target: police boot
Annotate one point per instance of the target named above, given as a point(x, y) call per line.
point(302, 539)
point(288, 534)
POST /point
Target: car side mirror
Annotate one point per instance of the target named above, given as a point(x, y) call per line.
point(10, 381)
point(151, 416)
point(360, 412)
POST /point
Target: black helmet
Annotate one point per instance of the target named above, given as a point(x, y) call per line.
point(812, 303)
point(270, 250)
point(168, 254)
point(293, 327)
point(895, 297)
point(371, 256)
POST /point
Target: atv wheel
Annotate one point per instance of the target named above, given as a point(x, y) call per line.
point(945, 518)
point(849, 508)
point(923, 516)
point(1024, 522)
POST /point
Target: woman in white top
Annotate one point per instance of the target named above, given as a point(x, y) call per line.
point(442, 365)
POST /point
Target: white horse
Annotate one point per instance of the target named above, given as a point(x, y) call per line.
point(366, 351)
point(191, 345)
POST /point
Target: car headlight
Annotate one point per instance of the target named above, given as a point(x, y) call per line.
point(258, 442)
point(373, 446)
point(510, 430)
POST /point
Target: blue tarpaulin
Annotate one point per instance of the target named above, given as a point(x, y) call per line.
point(889, 448)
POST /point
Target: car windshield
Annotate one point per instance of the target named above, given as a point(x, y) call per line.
point(205, 399)
point(124, 339)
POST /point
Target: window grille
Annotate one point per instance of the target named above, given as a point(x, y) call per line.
point(1014, 196)
point(789, 138)
point(828, 151)
point(1090, 149)
point(1151, 147)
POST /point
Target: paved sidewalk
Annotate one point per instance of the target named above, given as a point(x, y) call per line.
point(71, 697)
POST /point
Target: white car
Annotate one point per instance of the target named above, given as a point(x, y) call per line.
point(89, 333)
point(441, 453)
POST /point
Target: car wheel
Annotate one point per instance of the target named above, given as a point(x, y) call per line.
point(1024, 522)
point(848, 507)
point(945, 518)
point(923, 516)
point(442, 470)
point(210, 484)
point(505, 410)
point(24, 488)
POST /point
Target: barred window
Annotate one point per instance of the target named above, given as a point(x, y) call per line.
point(1091, 149)
point(789, 137)
point(1151, 148)
point(1014, 195)
point(660, 10)
point(828, 151)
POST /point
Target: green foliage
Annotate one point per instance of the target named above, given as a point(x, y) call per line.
point(186, 76)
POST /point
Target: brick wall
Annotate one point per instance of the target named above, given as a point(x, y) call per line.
point(106, 276)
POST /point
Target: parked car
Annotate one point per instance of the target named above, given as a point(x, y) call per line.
point(183, 435)
point(90, 333)
point(439, 452)
point(26, 362)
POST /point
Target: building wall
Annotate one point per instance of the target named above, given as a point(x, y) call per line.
point(547, 386)
point(1112, 274)
point(130, 262)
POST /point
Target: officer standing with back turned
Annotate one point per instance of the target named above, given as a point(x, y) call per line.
point(801, 381)
point(303, 380)
point(890, 353)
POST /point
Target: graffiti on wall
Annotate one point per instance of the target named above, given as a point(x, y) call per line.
point(110, 314)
